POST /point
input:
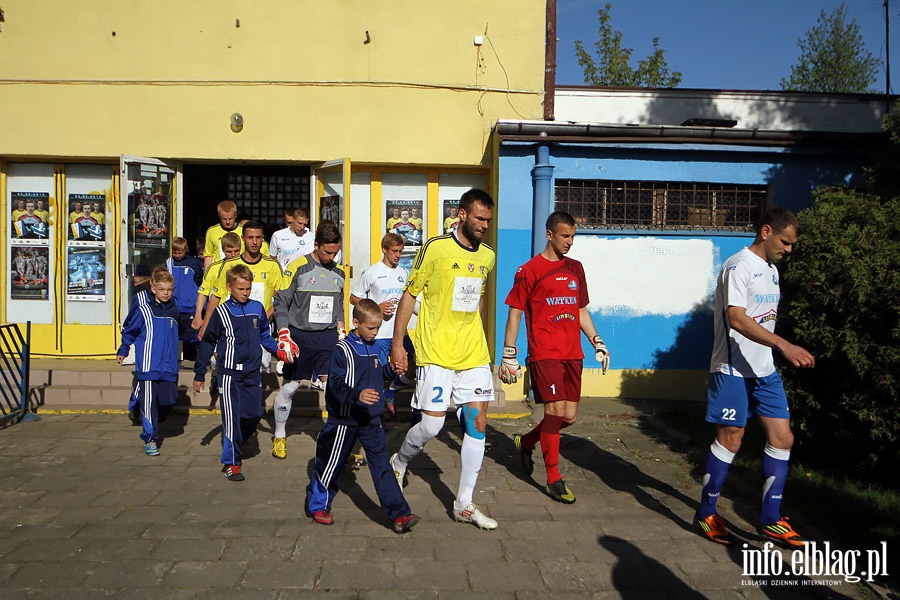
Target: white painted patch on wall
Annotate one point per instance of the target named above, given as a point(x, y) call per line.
point(634, 277)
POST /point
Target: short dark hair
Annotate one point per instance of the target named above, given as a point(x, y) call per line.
point(778, 218)
point(469, 198)
point(254, 225)
point(367, 308)
point(328, 233)
point(558, 217)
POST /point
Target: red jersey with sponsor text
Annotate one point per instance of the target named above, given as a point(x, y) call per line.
point(551, 294)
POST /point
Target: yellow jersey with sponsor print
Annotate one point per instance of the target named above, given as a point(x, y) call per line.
point(266, 279)
point(451, 279)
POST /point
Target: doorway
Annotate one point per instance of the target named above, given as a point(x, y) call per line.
point(261, 192)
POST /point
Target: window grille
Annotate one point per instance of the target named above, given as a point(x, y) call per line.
point(264, 197)
point(602, 204)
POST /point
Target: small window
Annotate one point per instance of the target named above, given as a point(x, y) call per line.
point(604, 204)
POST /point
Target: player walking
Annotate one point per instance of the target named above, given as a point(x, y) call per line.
point(743, 380)
point(451, 349)
point(551, 290)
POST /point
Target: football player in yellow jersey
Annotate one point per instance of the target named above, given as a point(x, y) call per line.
point(266, 270)
point(451, 349)
point(266, 276)
point(231, 247)
point(227, 211)
point(97, 213)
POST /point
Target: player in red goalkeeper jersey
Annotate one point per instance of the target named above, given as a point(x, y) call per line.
point(551, 291)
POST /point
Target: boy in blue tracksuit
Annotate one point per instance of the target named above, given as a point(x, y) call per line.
point(236, 330)
point(188, 273)
point(355, 406)
point(153, 326)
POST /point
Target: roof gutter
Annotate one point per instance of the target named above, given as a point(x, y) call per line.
point(588, 132)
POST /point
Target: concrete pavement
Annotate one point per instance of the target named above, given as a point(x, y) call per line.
point(85, 514)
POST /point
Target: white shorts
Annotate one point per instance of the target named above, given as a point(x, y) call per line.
point(437, 387)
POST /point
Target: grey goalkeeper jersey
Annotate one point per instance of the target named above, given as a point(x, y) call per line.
point(312, 298)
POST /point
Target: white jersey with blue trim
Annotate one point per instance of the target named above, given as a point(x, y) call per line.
point(381, 283)
point(749, 282)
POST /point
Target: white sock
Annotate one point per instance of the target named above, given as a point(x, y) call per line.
point(283, 403)
point(470, 457)
point(420, 434)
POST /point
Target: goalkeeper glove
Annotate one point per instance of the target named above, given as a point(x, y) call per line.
point(602, 353)
point(287, 348)
point(509, 366)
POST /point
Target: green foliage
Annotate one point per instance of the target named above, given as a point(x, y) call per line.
point(613, 65)
point(833, 58)
point(840, 301)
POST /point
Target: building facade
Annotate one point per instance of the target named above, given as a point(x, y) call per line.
point(152, 113)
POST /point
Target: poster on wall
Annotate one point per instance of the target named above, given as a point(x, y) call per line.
point(28, 273)
point(87, 274)
point(87, 219)
point(330, 209)
point(450, 214)
point(404, 217)
point(30, 215)
point(150, 214)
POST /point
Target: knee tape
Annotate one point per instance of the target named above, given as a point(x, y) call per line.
point(467, 414)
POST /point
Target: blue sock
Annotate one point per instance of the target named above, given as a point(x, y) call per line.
point(717, 462)
point(775, 472)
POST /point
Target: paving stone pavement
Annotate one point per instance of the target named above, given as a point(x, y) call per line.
point(85, 514)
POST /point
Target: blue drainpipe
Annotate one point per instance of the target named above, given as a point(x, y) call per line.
point(541, 176)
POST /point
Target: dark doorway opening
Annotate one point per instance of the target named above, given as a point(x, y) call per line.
point(261, 192)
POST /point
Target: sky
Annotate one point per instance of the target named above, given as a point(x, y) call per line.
point(720, 44)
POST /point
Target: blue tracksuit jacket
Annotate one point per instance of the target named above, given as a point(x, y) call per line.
point(153, 327)
point(235, 332)
point(354, 367)
point(188, 274)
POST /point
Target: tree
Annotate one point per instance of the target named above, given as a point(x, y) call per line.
point(613, 66)
point(833, 58)
point(840, 301)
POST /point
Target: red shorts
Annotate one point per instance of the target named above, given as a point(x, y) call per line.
point(555, 380)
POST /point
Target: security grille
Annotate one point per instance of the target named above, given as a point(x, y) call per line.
point(264, 197)
point(661, 205)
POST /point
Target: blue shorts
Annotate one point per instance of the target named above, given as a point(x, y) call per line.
point(315, 354)
point(731, 400)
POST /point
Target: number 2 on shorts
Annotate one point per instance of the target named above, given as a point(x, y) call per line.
point(439, 391)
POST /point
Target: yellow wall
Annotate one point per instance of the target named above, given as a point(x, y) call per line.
point(308, 87)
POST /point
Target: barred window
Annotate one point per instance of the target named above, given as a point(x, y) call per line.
point(264, 197)
point(605, 204)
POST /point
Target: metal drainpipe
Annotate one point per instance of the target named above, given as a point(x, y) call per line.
point(541, 176)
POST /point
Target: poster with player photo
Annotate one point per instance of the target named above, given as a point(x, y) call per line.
point(30, 216)
point(330, 209)
point(87, 274)
point(28, 274)
point(404, 217)
point(450, 212)
point(150, 214)
point(87, 218)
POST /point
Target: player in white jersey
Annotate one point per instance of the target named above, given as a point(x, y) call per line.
point(293, 241)
point(384, 283)
point(743, 381)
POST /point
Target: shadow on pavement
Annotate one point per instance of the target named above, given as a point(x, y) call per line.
point(637, 576)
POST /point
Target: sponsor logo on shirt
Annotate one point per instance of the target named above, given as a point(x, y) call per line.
point(573, 285)
point(562, 301)
point(769, 316)
point(774, 280)
point(767, 298)
point(563, 317)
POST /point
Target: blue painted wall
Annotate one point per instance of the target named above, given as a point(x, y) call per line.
point(679, 341)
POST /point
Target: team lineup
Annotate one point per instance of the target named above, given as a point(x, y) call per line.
point(246, 307)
